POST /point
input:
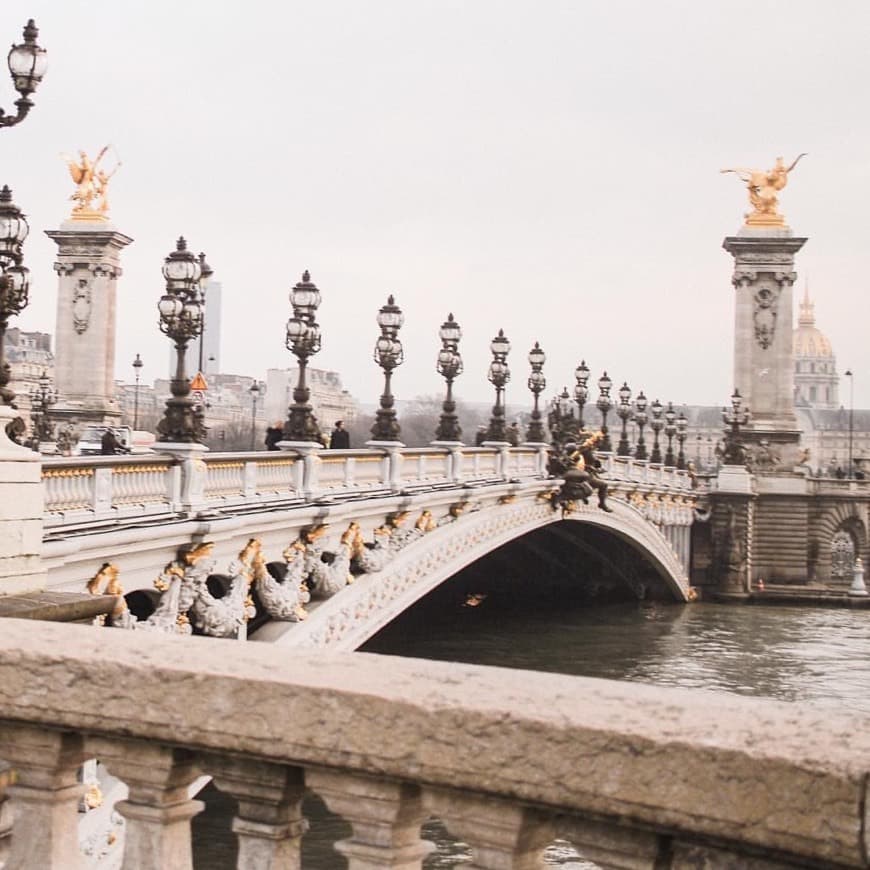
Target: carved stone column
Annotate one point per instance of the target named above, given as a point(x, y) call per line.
point(45, 797)
point(88, 268)
point(763, 324)
point(270, 824)
point(158, 810)
point(385, 816)
point(502, 836)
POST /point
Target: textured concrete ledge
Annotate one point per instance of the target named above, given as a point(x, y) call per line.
point(56, 606)
point(777, 778)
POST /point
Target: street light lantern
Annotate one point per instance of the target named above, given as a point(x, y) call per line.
point(137, 368)
point(640, 417)
point(27, 61)
point(736, 402)
point(498, 375)
point(581, 373)
point(537, 357)
point(604, 404)
point(623, 410)
point(42, 397)
point(670, 431)
point(302, 338)
point(449, 366)
point(682, 429)
point(254, 390)
point(604, 384)
point(305, 298)
point(181, 269)
point(848, 374)
point(205, 271)
point(581, 390)
point(500, 346)
point(537, 384)
point(657, 424)
point(13, 227)
point(388, 354)
point(735, 452)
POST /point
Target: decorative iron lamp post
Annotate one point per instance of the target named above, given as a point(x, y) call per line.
point(537, 384)
point(581, 390)
point(254, 390)
point(205, 272)
point(670, 431)
point(449, 366)
point(623, 409)
point(604, 404)
point(656, 423)
point(388, 354)
point(498, 375)
point(303, 339)
point(42, 397)
point(682, 427)
point(137, 369)
point(735, 452)
point(181, 319)
point(640, 417)
point(27, 65)
point(14, 279)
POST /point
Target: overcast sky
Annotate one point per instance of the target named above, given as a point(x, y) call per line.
point(550, 168)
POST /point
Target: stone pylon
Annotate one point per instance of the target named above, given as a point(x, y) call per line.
point(763, 323)
point(88, 268)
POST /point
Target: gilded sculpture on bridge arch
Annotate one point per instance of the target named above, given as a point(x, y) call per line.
point(763, 185)
point(91, 178)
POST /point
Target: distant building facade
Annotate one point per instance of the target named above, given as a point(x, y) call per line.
point(329, 399)
point(816, 382)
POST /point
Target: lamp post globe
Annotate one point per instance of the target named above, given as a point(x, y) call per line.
point(42, 397)
point(682, 432)
point(388, 354)
point(27, 64)
point(670, 431)
point(498, 375)
point(656, 423)
point(137, 369)
point(604, 404)
point(537, 384)
point(735, 452)
point(449, 366)
point(640, 418)
point(623, 410)
point(181, 320)
point(254, 390)
point(581, 390)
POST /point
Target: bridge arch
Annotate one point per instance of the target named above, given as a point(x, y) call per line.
point(359, 611)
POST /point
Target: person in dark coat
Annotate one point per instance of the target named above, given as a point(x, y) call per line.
point(110, 445)
point(340, 438)
point(274, 434)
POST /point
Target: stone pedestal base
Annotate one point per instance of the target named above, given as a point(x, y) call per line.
point(21, 508)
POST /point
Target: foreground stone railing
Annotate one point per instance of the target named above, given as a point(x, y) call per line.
point(84, 491)
point(633, 776)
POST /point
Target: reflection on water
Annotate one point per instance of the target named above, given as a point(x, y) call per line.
point(800, 654)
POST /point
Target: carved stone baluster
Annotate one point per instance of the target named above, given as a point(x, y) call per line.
point(385, 816)
point(45, 797)
point(269, 824)
point(502, 836)
point(157, 810)
point(612, 847)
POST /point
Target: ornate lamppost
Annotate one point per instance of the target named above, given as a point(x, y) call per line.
point(388, 354)
point(498, 375)
point(623, 409)
point(137, 369)
point(735, 452)
point(682, 427)
point(640, 417)
point(670, 431)
point(14, 279)
point(449, 366)
point(254, 390)
point(27, 65)
point(205, 272)
point(537, 384)
point(604, 404)
point(656, 423)
point(181, 319)
point(581, 390)
point(42, 397)
point(303, 339)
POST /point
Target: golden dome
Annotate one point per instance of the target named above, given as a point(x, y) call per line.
point(809, 341)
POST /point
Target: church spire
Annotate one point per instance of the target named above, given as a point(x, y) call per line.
point(807, 316)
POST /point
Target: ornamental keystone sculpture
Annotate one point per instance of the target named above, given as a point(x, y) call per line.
point(763, 186)
point(92, 185)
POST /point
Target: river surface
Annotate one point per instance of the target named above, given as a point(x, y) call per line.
point(803, 655)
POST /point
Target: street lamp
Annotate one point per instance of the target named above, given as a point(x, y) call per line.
point(735, 453)
point(181, 320)
point(303, 339)
point(682, 427)
point(537, 384)
point(656, 423)
point(27, 65)
point(206, 272)
point(137, 368)
point(623, 409)
point(388, 354)
point(640, 417)
point(604, 404)
point(449, 366)
point(42, 397)
point(670, 431)
point(254, 390)
point(848, 374)
point(14, 279)
point(581, 390)
point(498, 375)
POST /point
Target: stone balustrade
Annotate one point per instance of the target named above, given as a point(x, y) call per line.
point(633, 776)
point(95, 490)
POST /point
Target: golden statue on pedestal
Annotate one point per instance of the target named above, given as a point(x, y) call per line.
point(763, 186)
point(92, 185)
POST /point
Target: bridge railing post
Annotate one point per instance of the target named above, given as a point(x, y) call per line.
point(102, 491)
point(189, 496)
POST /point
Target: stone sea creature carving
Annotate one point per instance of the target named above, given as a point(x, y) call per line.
point(369, 558)
point(281, 591)
point(120, 617)
point(330, 569)
point(224, 615)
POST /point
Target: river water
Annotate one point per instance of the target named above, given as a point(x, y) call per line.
point(803, 655)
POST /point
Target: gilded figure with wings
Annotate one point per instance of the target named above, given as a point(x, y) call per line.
point(763, 186)
point(92, 184)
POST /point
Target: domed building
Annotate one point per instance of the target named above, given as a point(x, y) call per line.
point(816, 383)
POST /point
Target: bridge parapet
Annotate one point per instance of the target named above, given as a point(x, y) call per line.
point(632, 775)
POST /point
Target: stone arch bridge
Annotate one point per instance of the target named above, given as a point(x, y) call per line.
point(397, 522)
